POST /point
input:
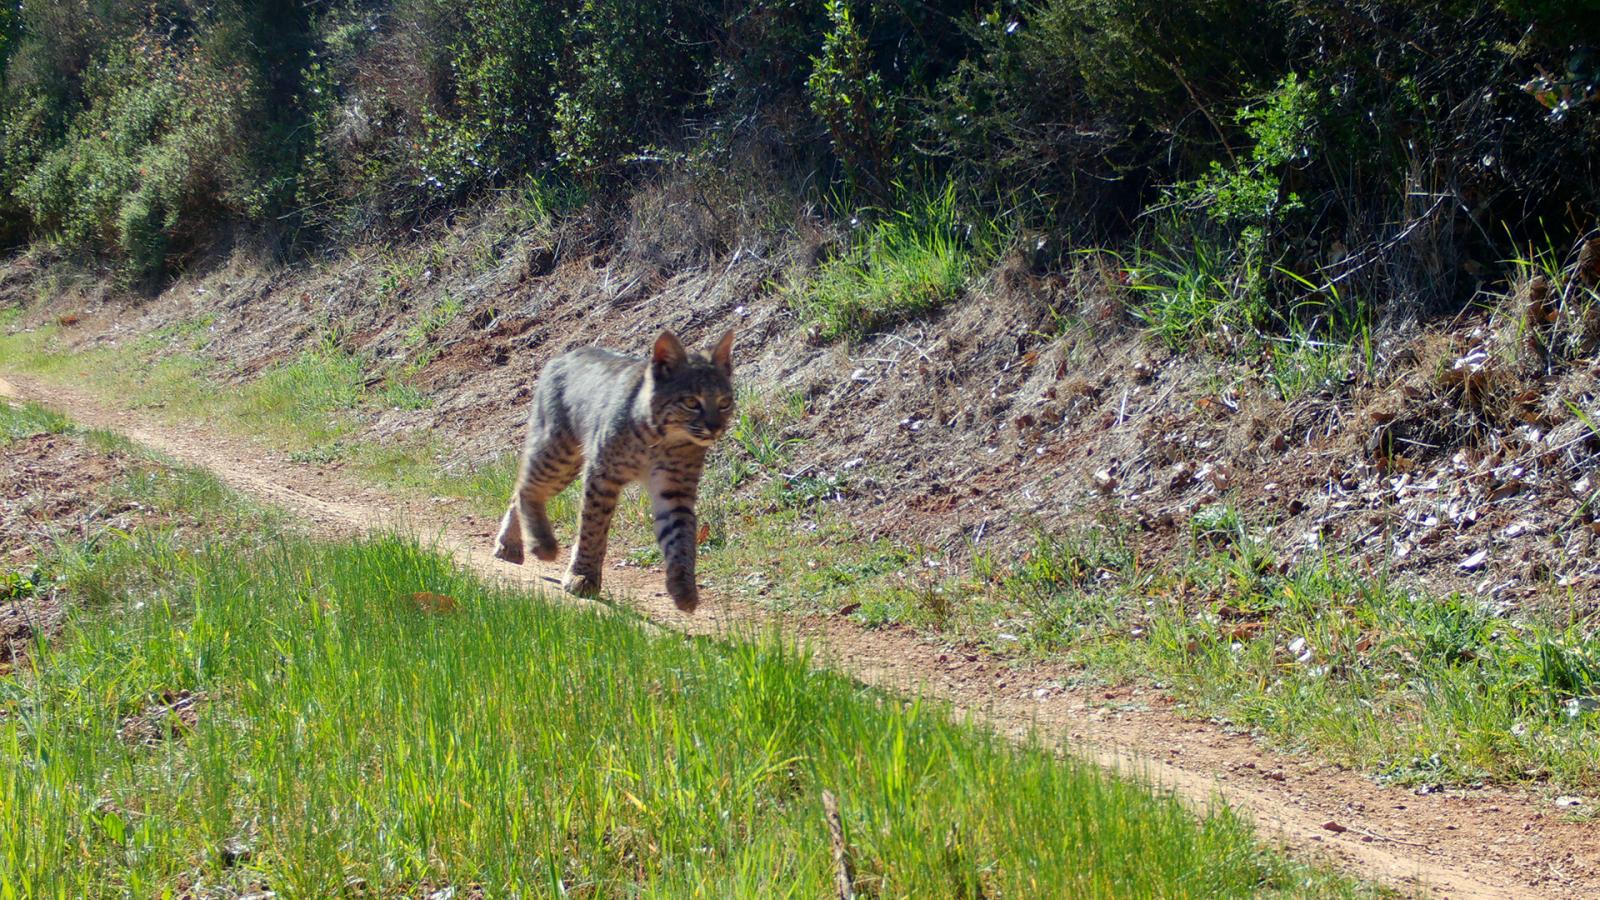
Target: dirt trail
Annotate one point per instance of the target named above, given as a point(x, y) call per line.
point(1485, 843)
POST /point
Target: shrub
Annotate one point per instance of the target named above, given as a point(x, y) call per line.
point(1080, 108)
point(1396, 149)
point(624, 90)
point(111, 182)
point(1250, 196)
point(503, 75)
point(848, 95)
point(132, 135)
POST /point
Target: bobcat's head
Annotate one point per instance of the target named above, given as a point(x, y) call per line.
point(691, 394)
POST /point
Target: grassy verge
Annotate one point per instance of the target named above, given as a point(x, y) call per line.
point(312, 407)
point(1419, 689)
point(247, 709)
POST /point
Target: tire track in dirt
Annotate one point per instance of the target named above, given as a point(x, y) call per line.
point(1477, 844)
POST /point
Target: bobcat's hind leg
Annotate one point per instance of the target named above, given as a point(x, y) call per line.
point(508, 543)
point(546, 470)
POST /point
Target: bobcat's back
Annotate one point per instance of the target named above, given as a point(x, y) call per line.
point(584, 394)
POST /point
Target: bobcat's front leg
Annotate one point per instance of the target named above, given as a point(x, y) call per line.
point(672, 497)
point(594, 523)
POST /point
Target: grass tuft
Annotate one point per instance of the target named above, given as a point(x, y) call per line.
point(915, 259)
point(19, 421)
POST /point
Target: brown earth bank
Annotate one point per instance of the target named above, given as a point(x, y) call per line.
point(1461, 458)
point(1486, 842)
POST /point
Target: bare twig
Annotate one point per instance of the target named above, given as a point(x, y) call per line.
point(1375, 836)
point(843, 873)
point(920, 352)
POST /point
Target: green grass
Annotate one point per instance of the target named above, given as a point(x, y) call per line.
point(1203, 298)
point(28, 419)
point(1314, 656)
point(349, 740)
point(916, 258)
point(312, 406)
point(1196, 297)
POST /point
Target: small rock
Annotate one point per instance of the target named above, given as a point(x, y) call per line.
point(1474, 562)
point(1334, 827)
point(235, 852)
point(1577, 706)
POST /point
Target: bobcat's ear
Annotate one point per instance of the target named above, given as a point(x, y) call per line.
point(668, 353)
point(723, 354)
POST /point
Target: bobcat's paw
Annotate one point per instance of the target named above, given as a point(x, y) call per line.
point(582, 585)
point(547, 552)
point(511, 553)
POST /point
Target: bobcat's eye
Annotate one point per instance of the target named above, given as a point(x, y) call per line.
point(690, 403)
point(725, 404)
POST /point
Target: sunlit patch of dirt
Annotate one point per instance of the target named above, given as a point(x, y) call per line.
point(52, 487)
point(170, 715)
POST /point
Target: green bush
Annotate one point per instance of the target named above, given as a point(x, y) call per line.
point(637, 66)
point(1078, 110)
point(113, 182)
point(1251, 192)
point(1399, 149)
point(504, 73)
point(140, 136)
point(848, 95)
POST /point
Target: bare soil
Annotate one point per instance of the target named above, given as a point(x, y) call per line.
point(1480, 843)
point(51, 486)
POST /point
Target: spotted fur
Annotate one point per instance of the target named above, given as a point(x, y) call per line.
point(617, 420)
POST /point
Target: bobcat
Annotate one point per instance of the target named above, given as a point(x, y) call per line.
point(621, 420)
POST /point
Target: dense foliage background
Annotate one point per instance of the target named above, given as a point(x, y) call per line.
point(1396, 151)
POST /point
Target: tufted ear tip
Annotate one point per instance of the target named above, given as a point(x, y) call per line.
point(723, 354)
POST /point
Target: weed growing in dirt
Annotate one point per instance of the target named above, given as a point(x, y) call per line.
point(539, 200)
point(1200, 298)
point(292, 713)
point(1195, 296)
